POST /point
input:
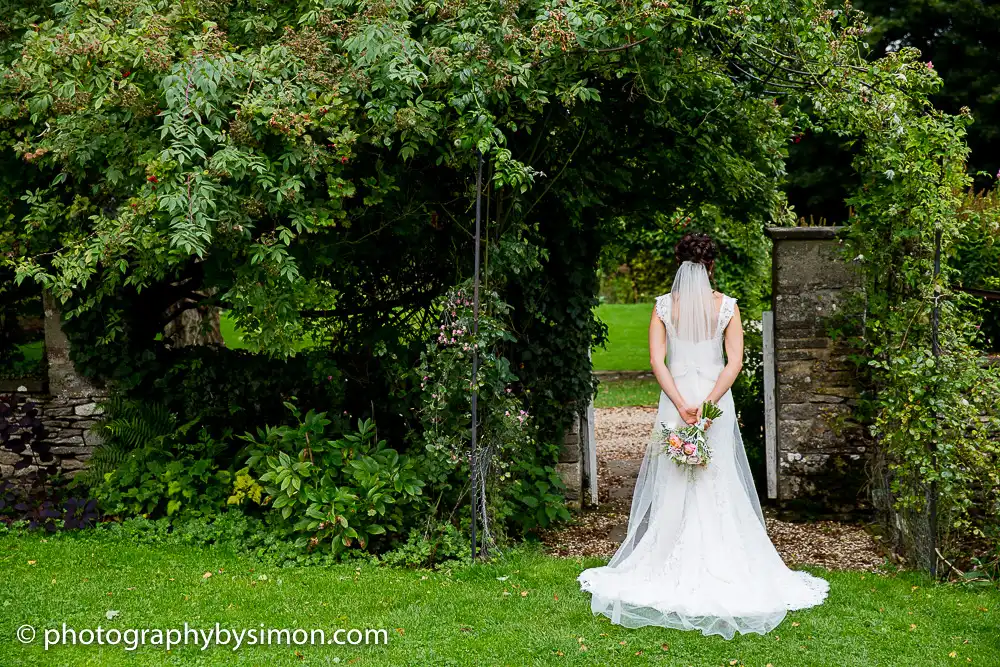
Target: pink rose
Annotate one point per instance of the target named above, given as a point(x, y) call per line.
point(689, 448)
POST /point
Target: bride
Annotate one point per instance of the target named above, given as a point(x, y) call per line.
point(696, 555)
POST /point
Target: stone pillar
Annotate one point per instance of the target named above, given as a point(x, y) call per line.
point(64, 381)
point(570, 465)
point(70, 409)
point(821, 453)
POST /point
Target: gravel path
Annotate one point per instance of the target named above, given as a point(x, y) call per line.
point(622, 434)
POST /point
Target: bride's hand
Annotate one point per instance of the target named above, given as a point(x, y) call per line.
point(689, 413)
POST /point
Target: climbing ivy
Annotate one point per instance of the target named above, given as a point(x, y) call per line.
point(932, 398)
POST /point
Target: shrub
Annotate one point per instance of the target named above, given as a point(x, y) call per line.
point(748, 395)
point(435, 545)
point(151, 465)
point(321, 491)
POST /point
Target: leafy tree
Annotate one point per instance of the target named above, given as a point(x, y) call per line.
point(310, 166)
point(959, 37)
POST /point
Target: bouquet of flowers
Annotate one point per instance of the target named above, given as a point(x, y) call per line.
point(687, 445)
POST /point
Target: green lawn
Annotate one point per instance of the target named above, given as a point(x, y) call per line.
point(627, 392)
point(230, 334)
point(233, 337)
point(628, 334)
point(628, 350)
point(461, 617)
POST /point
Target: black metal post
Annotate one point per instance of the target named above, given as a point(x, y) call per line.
point(473, 462)
point(936, 349)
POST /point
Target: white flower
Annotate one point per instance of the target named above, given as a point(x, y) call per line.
point(890, 174)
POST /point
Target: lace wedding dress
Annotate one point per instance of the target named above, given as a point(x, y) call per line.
point(696, 555)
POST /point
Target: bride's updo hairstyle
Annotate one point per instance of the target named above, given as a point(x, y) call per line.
point(696, 247)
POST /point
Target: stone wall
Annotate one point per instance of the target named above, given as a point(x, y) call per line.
point(821, 453)
point(570, 465)
point(68, 437)
point(67, 405)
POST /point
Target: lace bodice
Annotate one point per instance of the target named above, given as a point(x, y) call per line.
point(683, 355)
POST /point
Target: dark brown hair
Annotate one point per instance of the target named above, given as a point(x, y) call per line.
point(696, 247)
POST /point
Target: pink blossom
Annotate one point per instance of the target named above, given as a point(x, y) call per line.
point(689, 448)
point(930, 64)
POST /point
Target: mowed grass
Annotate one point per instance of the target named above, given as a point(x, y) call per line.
point(230, 334)
point(627, 350)
point(524, 609)
point(233, 336)
point(627, 392)
point(628, 337)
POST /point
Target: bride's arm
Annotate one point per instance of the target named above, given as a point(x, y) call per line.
point(734, 358)
point(657, 355)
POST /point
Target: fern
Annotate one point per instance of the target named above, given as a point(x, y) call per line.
point(128, 426)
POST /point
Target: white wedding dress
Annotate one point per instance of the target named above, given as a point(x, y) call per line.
point(697, 555)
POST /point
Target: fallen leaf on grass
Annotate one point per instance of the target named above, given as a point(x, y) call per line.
point(524, 594)
point(665, 647)
point(206, 575)
point(111, 613)
point(399, 630)
point(32, 562)
point(953, 654)
point(583, 647)
point(913, 626)
point(795, 624)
